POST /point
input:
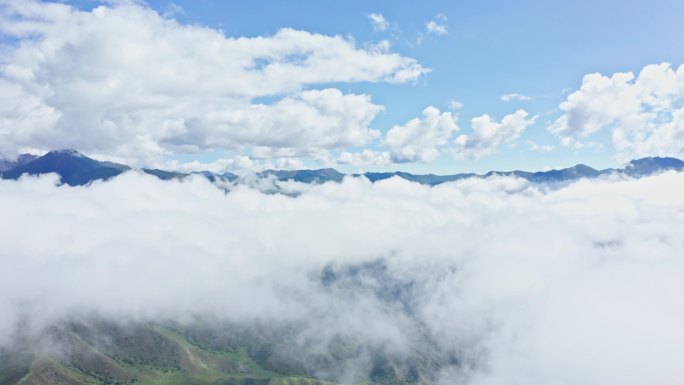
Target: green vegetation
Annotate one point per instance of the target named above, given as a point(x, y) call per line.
point(99, 352)
point(108, 354)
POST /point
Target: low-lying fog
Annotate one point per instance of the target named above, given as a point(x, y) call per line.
point(524, 285)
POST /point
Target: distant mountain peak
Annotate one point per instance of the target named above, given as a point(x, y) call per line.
point(650, 165)
point(7, 164)
point(67, 152)
point(581, 166)
point(305, 176)
point(661, 160)
point(76, 168)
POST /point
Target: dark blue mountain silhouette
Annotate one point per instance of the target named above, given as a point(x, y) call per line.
point(213, 177)
point(10, 164)
point(648, 166)
point(565, 174)
point(305, 176)
point(75, 169)
point(165, 175)
point(430, 179)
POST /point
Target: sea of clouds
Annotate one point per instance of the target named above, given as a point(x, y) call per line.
point(524, 284)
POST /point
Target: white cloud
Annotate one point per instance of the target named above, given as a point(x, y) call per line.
point(382, 46)
point(524, 285)
point(217, 166)
point(316, 119)
point(540, 147)
point(644, 112)
point(378, 22)
point(455, 104)
point(124, 81)
point(419, 138)
point(437, 26)
point(365, 158)
point(172, 10)
point(237, 164)
point(515, 97)
point(489, 135)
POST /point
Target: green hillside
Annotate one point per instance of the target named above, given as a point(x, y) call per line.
point(142, 354)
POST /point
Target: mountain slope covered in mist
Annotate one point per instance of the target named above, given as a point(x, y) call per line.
point(105, 352)
point(20, 160)
point(94, 350)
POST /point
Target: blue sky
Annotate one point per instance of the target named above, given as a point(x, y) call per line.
point(539, 49)
point(536, 48)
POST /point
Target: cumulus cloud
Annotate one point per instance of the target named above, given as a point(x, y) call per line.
point(124, 81)
point(520, 283)
point(311, 120)
point(488, 134)
point(365, 158)
point(515, 97)
point(418, 139)
point(378, 22)
point(643, 112)
point(238, 164)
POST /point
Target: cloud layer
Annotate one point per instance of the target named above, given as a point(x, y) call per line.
point(124, 81)
point(522, 284)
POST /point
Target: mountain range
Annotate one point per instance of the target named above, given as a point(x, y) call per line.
point(77, 169)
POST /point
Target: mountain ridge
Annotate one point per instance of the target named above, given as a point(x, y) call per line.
point(77, 169)
point(6, 164)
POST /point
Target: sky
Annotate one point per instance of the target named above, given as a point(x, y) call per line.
point(430, 86)
point(524, 283)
